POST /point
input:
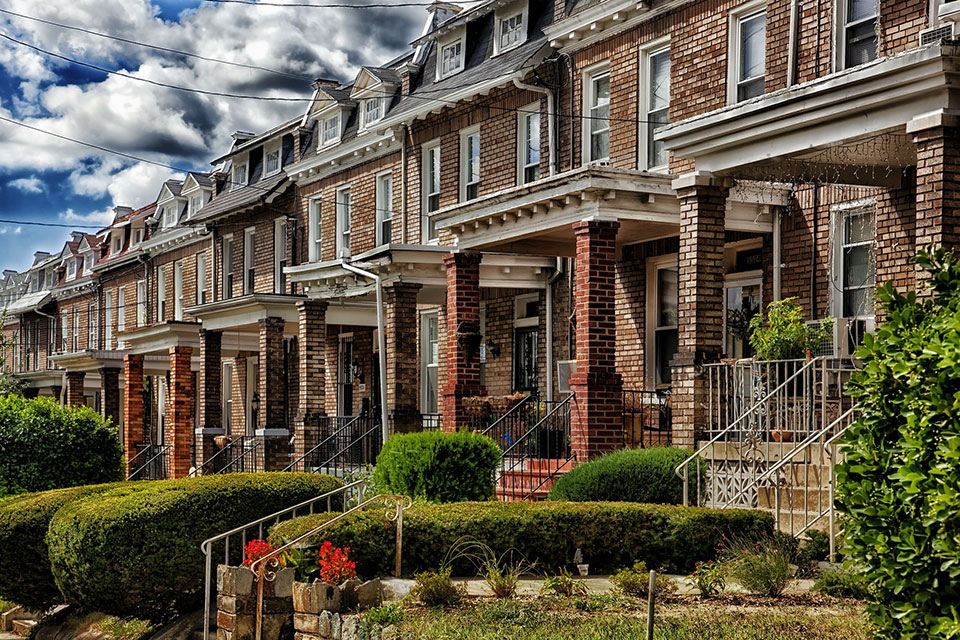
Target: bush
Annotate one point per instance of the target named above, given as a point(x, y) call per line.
point(438, 467)
point(25, 576)
point(436, 588)
point(135, 550)
point(636, 582)
point(899, 482)
point(46, 446)
point(631, 475)
point(563, 584)
point(841, 582)
point(611, 535)
point(761, 567)
point(784, 333)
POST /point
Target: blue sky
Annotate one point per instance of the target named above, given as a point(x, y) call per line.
point(48, 180)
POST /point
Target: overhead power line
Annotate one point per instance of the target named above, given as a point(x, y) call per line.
point(331, 5)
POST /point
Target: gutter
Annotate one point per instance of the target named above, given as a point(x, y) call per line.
point(382, 340)
point(551, 132)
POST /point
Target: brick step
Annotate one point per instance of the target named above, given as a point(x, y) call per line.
point(517, 483)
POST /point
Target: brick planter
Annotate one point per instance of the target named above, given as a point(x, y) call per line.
point(237, 604)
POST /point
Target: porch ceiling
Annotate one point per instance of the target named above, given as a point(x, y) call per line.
point(848, 128)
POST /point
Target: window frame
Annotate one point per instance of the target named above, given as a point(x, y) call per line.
point(590, 77)
point(161, 293)
point(108, 311)
point(504, 17)
point(92, 326)
point(202, 280)
point(647, 53)
point(841, 9)
point(365, 111)
point(64, 330)
point(315, 230)
point(654, 265)
point(272, 147)
point(226, 261)
point(460, 41)
point(178, 290)
point(237, 164)
point(121, 309)
point(324, 142)
point(117, 243)
point(841, 212)
point(427, 235)
point(737, 18)
point(141, 303)
point(280, 234)
point(249, 260)
point(524, 129)
point(76, 329)
point(427, 361)
point(71, 268)
point(470, 188)
point(384, 206)
point(344, 222)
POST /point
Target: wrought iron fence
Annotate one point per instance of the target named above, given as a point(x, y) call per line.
point(539, 454)
point(646, 418)
point(355, 443)
point(509, 428)
point(432, 421)
point(237, 454)
point(152, 462)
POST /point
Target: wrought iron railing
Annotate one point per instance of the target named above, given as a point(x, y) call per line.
point(334, 431)
point(646, 418)
point(231, 543)
point(354, 453)
point(537, 456)
point(240, 454)
point(511, 426)
point(152, 462)
point(432, 421)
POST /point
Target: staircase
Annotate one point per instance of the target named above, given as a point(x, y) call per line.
point(532, 482)
point(354, 444)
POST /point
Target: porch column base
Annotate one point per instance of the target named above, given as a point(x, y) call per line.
point(276, 448)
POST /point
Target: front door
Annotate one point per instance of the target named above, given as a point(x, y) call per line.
point(741, 302)
point(525, 359)
point(345, 376)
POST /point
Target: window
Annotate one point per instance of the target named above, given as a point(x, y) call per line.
point(92, 325)
point(511, 32)
point(49, 278)
point(451, 58)
point(161, 294)
point(117, 244)
point(141, 303)
point(331, 130)
point(858, 32)
point(64, 331)
point(430, 359)
point(88, 263)
point(598, 116)
point(108, 312)
point(529, 143)
point(372, 111)
point(196, 203)
point(76, 329)
point(249, 254)
point(655, 105)
point(314, 232)
point(178, 290)
point(121, 309)
point(343, 222)
point(431, 189)
point(203, 296)
point(227, 392)
point(749, 51)
point(238, 177)
point(741, 301)
point(662, 317)
point(469, 165)
point(170, 215)
point(279, 255)
point(138, 235)
point(271, 161)
point(227, 255)
point(384, 207)
point(525, 342)
point(857, 267)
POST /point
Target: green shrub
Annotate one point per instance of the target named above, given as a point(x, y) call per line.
point(631, 475)
point(563, 584)
point(437, 466)
point(25, 576)
point(900, 480)
point(135, 550)
point(437, 589)
point(610, 534)
point(384, 615)
point(761, 567)
point(784, 333)
point(636, 582)
point(841, 582)
point(710, 578)
point(46, 446)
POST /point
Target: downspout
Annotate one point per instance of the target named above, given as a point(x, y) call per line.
point(550, 112)
point(777, 259)
point(553, 277)
point(792, 44)
point(403, 185)
point(382, 343)
point(813, 252)
point(213, 264)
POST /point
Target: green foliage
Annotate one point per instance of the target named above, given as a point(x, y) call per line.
point(563, 584)
point(783, 334)
point(135, 549)
point(437, 589)
point(841, 582)
point(437, 466)
point(761, 567)
point(710, 578)
point(611, 534)
point(501, 573)
point(384, 615)
point(900, 482)
point(25, 576)
point(635, 581)
point(46, 446)
point(124, 628)
point(815, 548)
point(630, 475)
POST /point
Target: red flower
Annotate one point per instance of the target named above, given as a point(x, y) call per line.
point(255, 550)
point(335, 564)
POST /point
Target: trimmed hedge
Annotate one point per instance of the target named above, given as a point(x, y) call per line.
point(437, 466)
point(46, 446)
point(135, 550)
point(25, 576)
point(611, 534)
point(631, 475)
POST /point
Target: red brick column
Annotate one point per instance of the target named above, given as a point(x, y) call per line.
point(211, 392)
point(700, 310)
point(179, 428)
point(110, 394)
point(270, 416)
point(311, 351)
point(400, 306)
point(597, 412)
point(132, 405)
point(462, 336)
point(75, 388)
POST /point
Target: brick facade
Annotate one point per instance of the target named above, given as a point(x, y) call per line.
point(179, 427)
point(462, 337)
point(75, 388)
point(402, 341)
point(133, 433)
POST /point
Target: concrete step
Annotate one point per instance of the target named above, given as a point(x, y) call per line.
point(23, 627)
point(796, 497)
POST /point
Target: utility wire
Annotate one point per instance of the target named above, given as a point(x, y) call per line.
point(332, 5)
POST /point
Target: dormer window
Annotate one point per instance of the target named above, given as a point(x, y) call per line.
point(372, 111)
point(451, 58)
point(71, 269)
point(170, 215)
point(510, 32)
point(239, 176)
point(196, 203)
point(271, 162)
point(88, 262)
point(331, 130)
point(138, 235)
point(117, 244)
point(49, 279)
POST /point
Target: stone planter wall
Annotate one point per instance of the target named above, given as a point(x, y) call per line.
point(332, 626)
point(237, 604)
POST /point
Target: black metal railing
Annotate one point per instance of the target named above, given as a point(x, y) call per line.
point(360, 449)
point(511, 426)
point(646, 418)
point(239, 454)
point(339, 437)
point(538, 456)
point(152, 462)
point(432, 421)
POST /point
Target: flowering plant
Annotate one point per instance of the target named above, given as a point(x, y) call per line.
point(335, 564)
point(255, 550)
point(710, 579)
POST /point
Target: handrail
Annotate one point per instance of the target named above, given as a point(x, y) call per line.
point(328, 461)
point(514, 408)
point(246, 450)
point(222, 452)
point(534, 427)
point(206, 547)
point(163, 450)
point(682, 469)
point(325, 441)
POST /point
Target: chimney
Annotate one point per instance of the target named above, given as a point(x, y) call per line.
point(119, 212)
point(408, 73)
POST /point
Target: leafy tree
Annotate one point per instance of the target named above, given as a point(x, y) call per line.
point(900, 482)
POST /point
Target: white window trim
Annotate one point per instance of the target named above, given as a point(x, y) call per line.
point(647, 51)
point(137, 237)
point(382, 211)
point(76, 329)
point(338, 116)
point(364, 123)
point(108, 312)
point(464, 135)
point(178, 290)
point(506, 13)
point(654, 264)
point(249, 259)
point(203, 282)
point(590, 74)
point(279, 253)
point(735, 17)
point(441, 45)
point(270, 148)
point(521, 140)
point(341, 229)
point(226, 268)
point(227, 393)
point(161, 293)
point(315, 231)
point(424, 351)
point(121, 309)
point(142, 302)
point(520, 303)
point(839, 34)
point(425, 194)
point(240, 162)
point(838, 213)
point(91, 326)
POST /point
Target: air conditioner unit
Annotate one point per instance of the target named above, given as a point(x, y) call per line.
point(565, 370)
point(936, 34)
point(828, 347)
point(849, 333)
point(599, 163)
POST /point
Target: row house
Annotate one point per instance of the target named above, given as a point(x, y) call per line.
point(580, 201)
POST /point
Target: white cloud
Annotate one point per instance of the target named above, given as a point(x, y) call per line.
point(96, 218)
point(28, 185)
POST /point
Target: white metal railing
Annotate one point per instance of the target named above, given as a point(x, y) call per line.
point(350, 494)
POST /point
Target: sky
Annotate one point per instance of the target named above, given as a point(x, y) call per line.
point(56, 181)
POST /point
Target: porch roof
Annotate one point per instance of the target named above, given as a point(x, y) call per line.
point(92, 360)
point(247, 310)
point(159, 337)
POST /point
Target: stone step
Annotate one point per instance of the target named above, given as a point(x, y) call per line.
point(23, 627)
